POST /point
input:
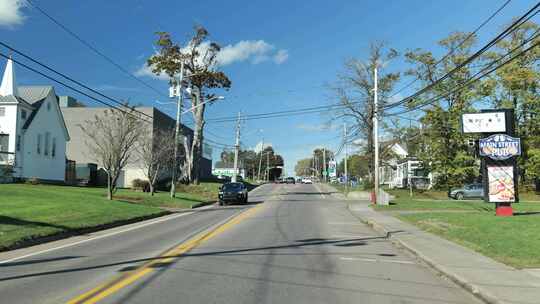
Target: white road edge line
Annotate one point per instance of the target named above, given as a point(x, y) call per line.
point(101, 236)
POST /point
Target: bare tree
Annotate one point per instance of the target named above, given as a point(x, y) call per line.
point(199, 57)
point(111, 138)
point(155, 153)
point(354, 90)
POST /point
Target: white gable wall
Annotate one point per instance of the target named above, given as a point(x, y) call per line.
point(8, 123)
point(40, 165)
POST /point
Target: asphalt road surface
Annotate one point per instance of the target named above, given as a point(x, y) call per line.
point(291, 244)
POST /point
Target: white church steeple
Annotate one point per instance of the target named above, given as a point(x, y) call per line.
point(9, 85)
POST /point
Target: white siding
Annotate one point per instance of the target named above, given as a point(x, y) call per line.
point(40, 165)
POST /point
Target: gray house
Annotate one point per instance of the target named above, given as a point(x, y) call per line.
point(76, 114)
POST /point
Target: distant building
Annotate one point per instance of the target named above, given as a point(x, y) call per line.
point(33, 134)
point(75, 116)
point(400, 170)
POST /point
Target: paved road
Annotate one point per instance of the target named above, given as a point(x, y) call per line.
point(291, 245)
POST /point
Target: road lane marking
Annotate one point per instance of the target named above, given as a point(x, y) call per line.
point(376, 260)
point(151, 222)
point(95, 295)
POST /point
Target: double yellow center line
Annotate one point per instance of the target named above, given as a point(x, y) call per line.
point(102, 291)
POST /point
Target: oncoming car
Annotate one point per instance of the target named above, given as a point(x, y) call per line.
point(307, 181)
point(232, 192)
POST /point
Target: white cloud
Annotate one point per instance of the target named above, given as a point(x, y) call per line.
point(281, 56)
point(10, 12)
point(256, 51)
point(253, 51)
point(317, 128)
point(145, 70)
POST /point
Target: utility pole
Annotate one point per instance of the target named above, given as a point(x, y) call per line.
point(260, 159)
point(346, 156)
point(177, 130)
point(267, 167)
point(236, 149)
point(376, 133)
point(324, 164)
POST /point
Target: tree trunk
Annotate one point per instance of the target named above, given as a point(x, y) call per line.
point(151, 189)
point(109, 187)
point(197, 138)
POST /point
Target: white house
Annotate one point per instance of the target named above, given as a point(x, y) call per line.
point(33, 135)
point(402, 170)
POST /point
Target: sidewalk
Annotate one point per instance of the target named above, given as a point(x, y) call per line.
point(491, 281)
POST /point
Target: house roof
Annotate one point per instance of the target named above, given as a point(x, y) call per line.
point(33, 94)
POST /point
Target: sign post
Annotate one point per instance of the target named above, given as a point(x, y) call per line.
point(498, 151)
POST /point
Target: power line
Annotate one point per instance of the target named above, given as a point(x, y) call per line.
point(457, 46)
point(74, 89)
point(285, 113)
point(499, 37)
point(116, 101)
point(472, 80)
point(94, 49)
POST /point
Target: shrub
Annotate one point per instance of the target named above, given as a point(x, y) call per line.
point(140, 185)
point(33, 181)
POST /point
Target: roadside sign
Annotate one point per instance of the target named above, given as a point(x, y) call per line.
point(500, 146)
point(332, 168)
point(501, 184)
point(484, 122)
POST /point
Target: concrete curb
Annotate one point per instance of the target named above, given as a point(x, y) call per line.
point(475, 290)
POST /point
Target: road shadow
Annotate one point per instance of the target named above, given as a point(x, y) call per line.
point(526, 213)
point(39, 261)
point(7, 220)
point(155, 261)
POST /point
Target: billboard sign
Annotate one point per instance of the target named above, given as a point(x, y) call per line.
point(501, 184)
point(332, 168)
point(500, 146)
point(485, 122)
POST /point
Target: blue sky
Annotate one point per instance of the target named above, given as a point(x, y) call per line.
point(283, 53)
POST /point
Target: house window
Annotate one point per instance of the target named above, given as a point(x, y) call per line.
point(47, 139)
point(48, 106)
point(53, 151)
point(39, 144)
point(4, 142)
point(23, 114)
point(2, 111)
point(18, 143)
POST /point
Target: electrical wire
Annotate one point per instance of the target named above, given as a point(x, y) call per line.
point(472, 79)
point(457, 46)
point(93, 48)
point(74, 89)
point(116, 101)
point(524, 18)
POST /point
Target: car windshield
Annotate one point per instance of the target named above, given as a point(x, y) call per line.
point(232, 187)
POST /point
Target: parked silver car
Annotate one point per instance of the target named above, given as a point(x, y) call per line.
point(468, 191)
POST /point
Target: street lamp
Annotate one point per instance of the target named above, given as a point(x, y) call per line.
point(176, 91)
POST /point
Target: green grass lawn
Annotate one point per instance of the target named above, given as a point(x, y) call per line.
point(511, 240)
point(29, 212)
point(33, 211)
